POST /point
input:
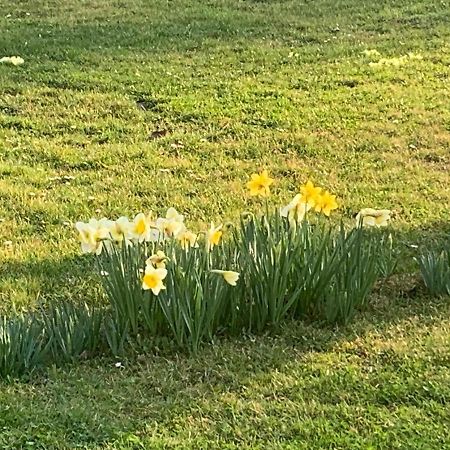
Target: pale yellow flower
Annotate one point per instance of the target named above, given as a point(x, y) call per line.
point(373, 217)
point(153, 279)
point(213, 236)
point(172, 224)
point(157, 260)
point(296, 210)
point(325, 203)
point(260, 184)
point(310, 193)
point(142, 229)
point(92, 235)
point(229, 276)
point(187, 239)
point(14, 60)
point(120, 229)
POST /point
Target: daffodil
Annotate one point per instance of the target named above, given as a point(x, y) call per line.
point(296, 210)
point(153, 279)
point(373, 217)
point(172, 224)
point(141, 228)
point(229, 276)
point(213, 236)
point(310, 193)
point(157, 260)
point(260, 184)
point(326, 203)
point(187, 239)
point(92, 235)
point(120, 229)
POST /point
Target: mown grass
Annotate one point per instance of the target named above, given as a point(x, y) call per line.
point(233, 86)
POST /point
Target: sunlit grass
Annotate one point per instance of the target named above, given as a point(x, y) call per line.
point(140, 105)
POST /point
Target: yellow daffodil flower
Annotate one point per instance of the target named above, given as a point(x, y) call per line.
point(296, 210)
point(373, 217)
point(157, 260)
point(213, 236)
point(326, 203)
point(92, 235)
point(310, 193)
point(229, 276)
point(260, 184)
point(153, 279)
point(187, 239)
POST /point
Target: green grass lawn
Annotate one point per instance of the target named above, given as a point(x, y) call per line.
point(138, 105)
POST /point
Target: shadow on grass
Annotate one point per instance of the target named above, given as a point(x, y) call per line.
point(49, 280)
point(250, 385)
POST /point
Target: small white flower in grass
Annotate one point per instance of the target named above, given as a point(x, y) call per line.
point(157, 260)
point(153, 279)
point(14, 60)
point(373, 217)
point(229, 276)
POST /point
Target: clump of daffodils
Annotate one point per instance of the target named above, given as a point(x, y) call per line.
point(142, 228)
point(310, 198)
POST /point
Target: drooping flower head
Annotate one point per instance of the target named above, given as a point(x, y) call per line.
point(260, 184)
point(158, 260)
point(373, 217)
point(187, 239)
point(296, 210)
point(310, 193)
point(213, 236)
point(228, 275)
point(153, 279)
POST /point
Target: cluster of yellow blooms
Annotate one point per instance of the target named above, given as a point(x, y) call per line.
point(315, 198)
point(147, 228)
point(310, 197)
point(143, 228)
